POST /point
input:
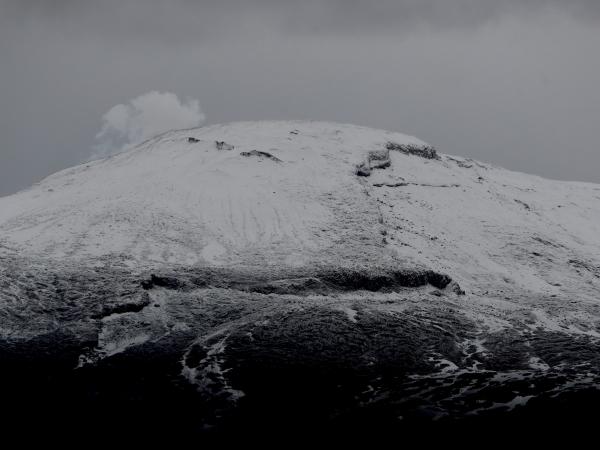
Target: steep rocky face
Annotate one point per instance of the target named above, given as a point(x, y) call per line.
point(281, 275)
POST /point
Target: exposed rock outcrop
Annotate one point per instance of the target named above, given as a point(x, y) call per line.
point(260, 154)
point(376, 159)
point(424, 152)
point(222, 145)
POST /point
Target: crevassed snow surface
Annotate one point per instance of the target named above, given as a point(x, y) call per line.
point(170, 200)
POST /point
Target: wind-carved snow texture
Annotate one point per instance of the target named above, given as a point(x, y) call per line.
point(320, 275)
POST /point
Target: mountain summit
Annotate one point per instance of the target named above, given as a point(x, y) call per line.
point(295, 276)
point(294, 194)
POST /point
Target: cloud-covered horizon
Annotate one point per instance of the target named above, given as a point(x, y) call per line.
point(511, 82)
point(181, 20)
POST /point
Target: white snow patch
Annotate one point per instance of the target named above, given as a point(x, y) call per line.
point(537, 364)
point(213, 252)
point(351, 313)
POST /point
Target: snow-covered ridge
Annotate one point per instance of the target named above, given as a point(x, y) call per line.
point(298, 193)
point(177, 200)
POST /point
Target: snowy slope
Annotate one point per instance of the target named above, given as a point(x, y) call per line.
point(173, 201)
point(300, 266)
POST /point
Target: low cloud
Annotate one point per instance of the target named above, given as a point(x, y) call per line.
point(148, 115)
point(201, 21)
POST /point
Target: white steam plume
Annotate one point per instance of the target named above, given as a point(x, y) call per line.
point(143, 117)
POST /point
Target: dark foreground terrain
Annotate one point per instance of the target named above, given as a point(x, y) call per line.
point(200, 354)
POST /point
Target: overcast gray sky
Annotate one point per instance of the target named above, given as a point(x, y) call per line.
point(512, 82)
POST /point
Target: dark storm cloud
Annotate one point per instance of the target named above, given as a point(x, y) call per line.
point(508, 81)
point(187, 19)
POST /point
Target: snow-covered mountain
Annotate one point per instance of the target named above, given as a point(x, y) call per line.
point(293, 194)
point(177, 200)
point(384, 266)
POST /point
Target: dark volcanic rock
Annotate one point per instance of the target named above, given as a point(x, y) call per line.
point(133, 305)
point(321, 349)
point(160, 281)
point(423, 152)
point(260, 154)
